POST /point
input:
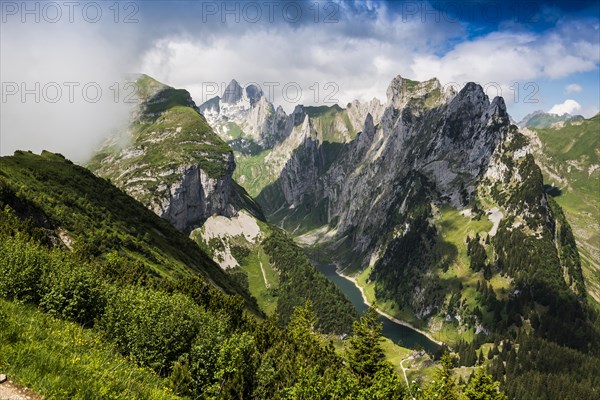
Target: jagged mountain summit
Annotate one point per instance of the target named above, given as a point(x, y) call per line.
point(171, 160)
point(446, 137)
point(436, 192)
point(176, 165)
point(250, 123)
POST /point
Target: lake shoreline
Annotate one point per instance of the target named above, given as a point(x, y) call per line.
point(381, 312)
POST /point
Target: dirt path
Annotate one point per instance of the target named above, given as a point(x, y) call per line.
point(267, 285)
point(404, 369)
point(10, 391)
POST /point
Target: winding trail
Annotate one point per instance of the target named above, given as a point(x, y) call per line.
point(404, 369)
point(267, 285)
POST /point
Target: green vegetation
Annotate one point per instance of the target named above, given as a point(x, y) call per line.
point(328, 120)
point(149, 335)
point(299, 280)
point(234, 131)
point(408, 286)
point(254, 265)
point(544, 120)
point(569, 158)
point(253, 172)
point(534, 368)
point(167, 134)
point(61, 359)
point(101, 223)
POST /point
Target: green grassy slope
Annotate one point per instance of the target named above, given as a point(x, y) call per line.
point(166, 133)
point(99, 220)
point(61, 359)
point(573, 154)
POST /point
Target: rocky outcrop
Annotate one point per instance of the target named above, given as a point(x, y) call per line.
point(170, 160)
point(254, 93)
point(248, 119)
point(195, 197)
point(446, 137)
point(233, 93)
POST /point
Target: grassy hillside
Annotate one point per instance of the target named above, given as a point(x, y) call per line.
point(70, 328)
point(102, 299)
point(332, 122)
point(94, 218)
point(166, 133)
point(570, 160)
point(61, 359)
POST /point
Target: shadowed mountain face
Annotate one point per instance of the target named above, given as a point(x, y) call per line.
point(447, 138)
point(233, 93)
point(434, 193)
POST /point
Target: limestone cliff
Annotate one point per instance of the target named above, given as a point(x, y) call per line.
point(170, 159)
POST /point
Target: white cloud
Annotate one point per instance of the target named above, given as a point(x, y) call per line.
point(512, 56)
point(37, 56)
point(572, 88)
point(569, 106)
point(360, 54)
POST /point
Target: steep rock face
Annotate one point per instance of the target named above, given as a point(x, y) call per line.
point(170, 159)
point(233, 93)
point(358, 111)
point(194, 198)
point(302, 168)
point(448, 138)
point(402, 199)
point(250, 123)
point(253, 93)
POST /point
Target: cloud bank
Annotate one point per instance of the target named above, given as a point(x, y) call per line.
point(336, 52)
point(568, 107)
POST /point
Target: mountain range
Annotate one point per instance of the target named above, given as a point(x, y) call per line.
point(446, 214)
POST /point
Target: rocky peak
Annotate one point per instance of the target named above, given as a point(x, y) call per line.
point(254, 93)
point(172, 161)
point(233, 93)
point(298, 115)
point(357, 111)
point(498, 108)
point(211, 106)
point(402, 90)
point(446, 139)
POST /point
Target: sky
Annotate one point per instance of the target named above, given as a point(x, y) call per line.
point(64, 65)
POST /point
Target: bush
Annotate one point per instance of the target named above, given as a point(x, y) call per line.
point(22, 263)
point(74, 292)
point(154, 327)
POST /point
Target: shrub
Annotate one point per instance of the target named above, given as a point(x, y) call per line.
point(154, 327)
point(21, 265)
point(73, 292)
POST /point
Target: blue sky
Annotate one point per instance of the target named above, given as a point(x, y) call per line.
point(541, 53)
point(536, 54)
